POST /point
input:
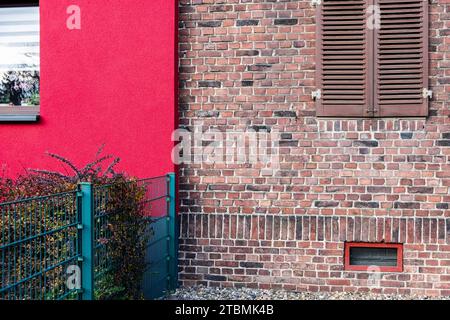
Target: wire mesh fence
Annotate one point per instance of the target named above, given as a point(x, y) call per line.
point(43, 241)
point(153, 205)
point(39, 240)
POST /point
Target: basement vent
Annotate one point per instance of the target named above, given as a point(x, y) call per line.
point(373, 257)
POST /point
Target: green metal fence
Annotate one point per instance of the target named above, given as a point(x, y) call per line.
point(44, 241)
point(39, 240)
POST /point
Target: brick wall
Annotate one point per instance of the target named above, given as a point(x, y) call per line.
point(251, 64)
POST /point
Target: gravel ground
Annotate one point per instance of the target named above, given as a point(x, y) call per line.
point(205, 293)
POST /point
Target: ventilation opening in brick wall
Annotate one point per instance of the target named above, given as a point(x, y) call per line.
point(373, 257)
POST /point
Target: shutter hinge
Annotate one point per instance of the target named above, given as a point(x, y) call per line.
point(426, 93)
point(316, 2)
point(317, 94)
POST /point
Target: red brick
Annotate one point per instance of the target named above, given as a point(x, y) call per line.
point(326, 165)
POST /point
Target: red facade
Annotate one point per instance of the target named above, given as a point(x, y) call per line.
point(112, 82)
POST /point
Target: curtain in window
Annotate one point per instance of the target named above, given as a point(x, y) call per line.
point(19, 39)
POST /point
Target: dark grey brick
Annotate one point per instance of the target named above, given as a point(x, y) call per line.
point(215, 278)
point(326, 204)
point(420, 190)
point(373, 205)
point(261, 128)
point(406, 135)
point(247, 22)
point(259, 67)
point(251, 264)
point(285, 114)
point(256, 187)
point(406, 205)
point(207, 114)
point(209, 24)
point(443, 143)
point(412, 158)
point(249, 53)
point(366, 143)
point(287, 143)
point(209, 84)
point(378, 189)
point(286, 22)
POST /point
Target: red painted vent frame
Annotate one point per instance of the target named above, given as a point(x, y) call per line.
point(349, 267)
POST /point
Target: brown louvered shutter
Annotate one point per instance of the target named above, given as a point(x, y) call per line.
point(344, 56)
point(401, 68)
point(370, 72)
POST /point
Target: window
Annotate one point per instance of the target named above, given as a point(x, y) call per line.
point(19, 61)
point(373, 256)
point(372, 58)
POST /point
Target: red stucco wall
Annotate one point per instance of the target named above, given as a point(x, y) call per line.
point(111, 82)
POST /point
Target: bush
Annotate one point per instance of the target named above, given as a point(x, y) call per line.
point(122, 235)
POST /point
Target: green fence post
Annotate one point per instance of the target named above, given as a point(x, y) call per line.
point(173, 232)
point(87, 236)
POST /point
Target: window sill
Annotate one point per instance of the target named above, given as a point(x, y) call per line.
point(19, 113)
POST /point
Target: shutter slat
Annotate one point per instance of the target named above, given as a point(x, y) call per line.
point(345, 14)
point(414, 72)
point(343, 87)
point(345, 102)
point(400, 2)
point(400, 60)
point(337, 62)
point(395, 87)
point(409, 81)
point(400, 96)
point(415, 40)
point(346, 37)
point(338, 8)
point(346, 32)
point(394, 103)
point(331, 92)
point(405, 10)
point(406, 35)
point(405, 15)
point(344, 27)
point(396, 25)
point(333, 42)
point(337, 67)
point(384, 51)
point(397, 32)
point(390, 55)
point(388, 92)
point(342, 4)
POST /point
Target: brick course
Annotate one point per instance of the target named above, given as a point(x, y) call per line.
point(250, 64)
